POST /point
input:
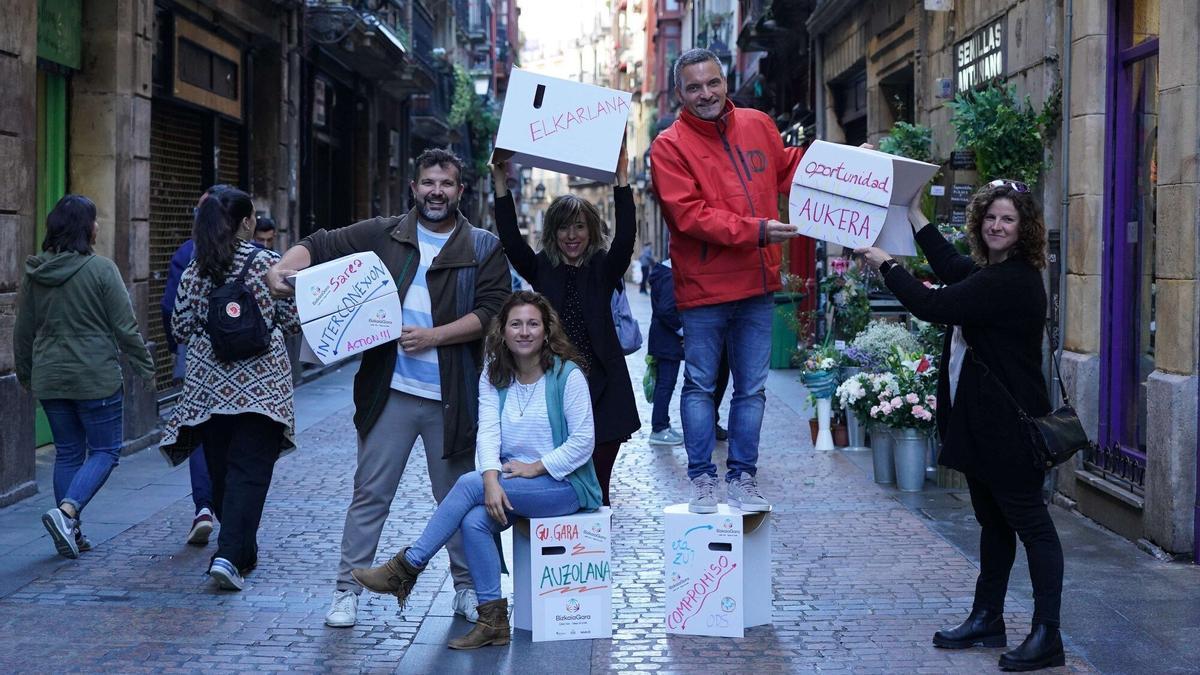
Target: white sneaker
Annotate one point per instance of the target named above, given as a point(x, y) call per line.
point(466, 604)
point(225, 575)
point(666, 437)
point(62, 531)
point(343, 613)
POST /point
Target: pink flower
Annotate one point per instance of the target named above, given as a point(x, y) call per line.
point(885, 408)
point(921, 413)
point(897, 402)
point(874, 411)
point(912, 399)
point(931, 401)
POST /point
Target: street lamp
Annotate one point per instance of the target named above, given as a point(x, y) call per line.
point(482, 80)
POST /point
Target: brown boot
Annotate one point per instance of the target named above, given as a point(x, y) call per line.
point(395, 576)
point(491, 628)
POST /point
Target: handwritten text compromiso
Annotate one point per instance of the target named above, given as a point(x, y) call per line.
point(695, 596)
point(539, 129)
point(839, 172)
point(844, 219)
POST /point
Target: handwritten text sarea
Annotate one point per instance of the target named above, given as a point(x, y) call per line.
point(565, 121)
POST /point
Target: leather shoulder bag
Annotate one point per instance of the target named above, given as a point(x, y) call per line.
point(1054, 437)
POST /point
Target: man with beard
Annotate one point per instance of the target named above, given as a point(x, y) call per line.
point(453, 278)
point(719, 170)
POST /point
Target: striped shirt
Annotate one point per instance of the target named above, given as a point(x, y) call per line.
point(417, 372)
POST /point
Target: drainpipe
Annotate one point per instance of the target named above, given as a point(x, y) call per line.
point(819, 83)
point(1065, 187)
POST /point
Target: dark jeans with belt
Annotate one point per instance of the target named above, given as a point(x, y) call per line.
point(1006, 512)
point(241, 451)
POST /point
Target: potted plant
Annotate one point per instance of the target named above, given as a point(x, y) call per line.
point(908, 409)
point(820, 376)
point(854, 397)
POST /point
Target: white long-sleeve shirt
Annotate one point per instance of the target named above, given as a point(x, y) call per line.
point(523, 432)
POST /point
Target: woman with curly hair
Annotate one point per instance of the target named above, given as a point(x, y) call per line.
point(996, 304)
point(533, 459)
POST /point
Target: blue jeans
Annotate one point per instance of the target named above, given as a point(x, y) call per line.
point(201, 482)
point(88, 435)
point(743, 327)
point(540, 497)
point(664, 388)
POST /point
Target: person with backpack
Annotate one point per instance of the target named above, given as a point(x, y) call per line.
point(237, 392)
point(74, 320)
point(578, 271)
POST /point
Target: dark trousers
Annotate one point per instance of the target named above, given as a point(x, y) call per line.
point(241, 451)
point(664, 387)
point(644, 287)
point(1006, 512)
point(603, 458)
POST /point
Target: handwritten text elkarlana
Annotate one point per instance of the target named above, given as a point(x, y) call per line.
point(539, 129)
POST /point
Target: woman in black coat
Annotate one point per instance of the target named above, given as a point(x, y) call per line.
point(577, 270)
point(996, 305)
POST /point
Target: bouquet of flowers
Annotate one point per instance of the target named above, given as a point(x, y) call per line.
point(820, 371)
point(857, 394)
point(906, 397)
point(845, 288)
point(871, 349)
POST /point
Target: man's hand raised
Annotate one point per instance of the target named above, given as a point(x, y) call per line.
point(778, 232)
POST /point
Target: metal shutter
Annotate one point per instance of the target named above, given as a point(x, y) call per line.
point(176, 140)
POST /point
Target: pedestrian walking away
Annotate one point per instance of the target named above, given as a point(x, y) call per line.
point(996, 304)
point(453, 278)
point(646, 260)
point(719, 170)
point(578, 271)
point(74, 320)
point(203, 521)
point(240, 408)
point(532, 460)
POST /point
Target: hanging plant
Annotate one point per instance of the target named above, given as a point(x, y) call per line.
point(1008, 136)
point(464, 97)
point(484, 123)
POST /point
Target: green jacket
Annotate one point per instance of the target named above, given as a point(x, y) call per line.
point(582, 479)
point(74, 314)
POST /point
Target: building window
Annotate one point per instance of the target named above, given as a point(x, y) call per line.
point(1128, 338)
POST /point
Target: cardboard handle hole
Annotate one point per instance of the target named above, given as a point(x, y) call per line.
point(539, 95)
point(720, 546)
point(554, 550)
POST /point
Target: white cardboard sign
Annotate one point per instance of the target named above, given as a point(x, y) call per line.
point(562, 580)
point(718, 571)
point(856, 197)
point(563, 126)
point(346, 306)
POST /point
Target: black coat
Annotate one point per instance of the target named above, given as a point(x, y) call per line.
point(613, 406)
point(1001, 309)
point(664, 341)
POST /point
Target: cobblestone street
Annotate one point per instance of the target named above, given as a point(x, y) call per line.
point(861, 579)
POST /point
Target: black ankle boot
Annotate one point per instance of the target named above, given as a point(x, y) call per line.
point(1042, 648)
point(983, 628)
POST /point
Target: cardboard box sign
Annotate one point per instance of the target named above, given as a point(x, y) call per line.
point(718, 571)
point(856, 197)
point(346, 306)
point(563, 126)
point(562, 576)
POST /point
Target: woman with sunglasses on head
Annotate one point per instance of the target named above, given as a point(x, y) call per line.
point(578, 270)
point(995, 305)
point(533, 457)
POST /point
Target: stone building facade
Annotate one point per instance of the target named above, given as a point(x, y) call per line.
point(1120, 203)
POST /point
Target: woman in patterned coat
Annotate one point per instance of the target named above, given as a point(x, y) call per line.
point(241, 410)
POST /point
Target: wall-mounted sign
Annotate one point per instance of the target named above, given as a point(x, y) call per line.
point(962, 159)
point(60, 25)
point(981, 57)
point(960, 193)
point(939, 5)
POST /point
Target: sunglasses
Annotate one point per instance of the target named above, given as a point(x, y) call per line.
point(1016, 185)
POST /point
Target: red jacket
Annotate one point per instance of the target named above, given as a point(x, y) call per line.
point(718, 183)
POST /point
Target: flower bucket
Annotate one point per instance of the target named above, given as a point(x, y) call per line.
point(881, 453)
point(820, 383)
point(910, 447)
point(855, 431)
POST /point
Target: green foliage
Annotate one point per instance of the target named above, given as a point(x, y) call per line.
point(1008, 136)
point(914, 141)
point(464, 97)
point(484, 123)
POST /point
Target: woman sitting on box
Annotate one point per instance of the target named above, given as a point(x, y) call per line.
point(533, 460)
point(577, 269)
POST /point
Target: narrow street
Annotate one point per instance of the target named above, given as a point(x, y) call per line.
point(863, 575)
